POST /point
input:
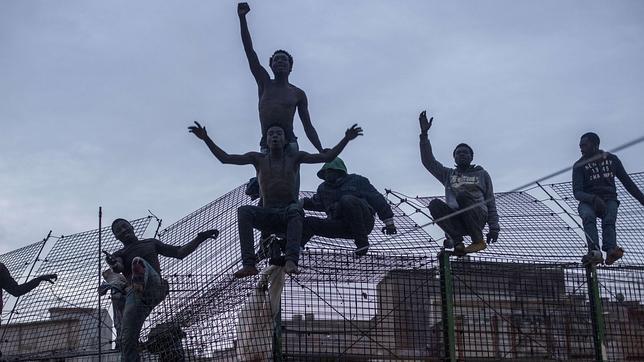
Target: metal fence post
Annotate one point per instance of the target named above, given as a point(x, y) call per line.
point(447, 306)
point(596, 313)
point(277, 336)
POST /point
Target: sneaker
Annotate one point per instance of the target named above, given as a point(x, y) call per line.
point(476, 246)
point(291, 268)
point(614, 255)
point(246, 271)
point(459, 249)
point(594, 257)
point(138, 276)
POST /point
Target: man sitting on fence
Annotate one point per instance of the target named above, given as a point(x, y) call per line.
point(138, 260)
point(350, 202)
point(276, 174)
point(468, 193)
point(593, 184)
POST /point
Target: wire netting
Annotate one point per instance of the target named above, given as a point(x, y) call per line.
point(630, 219)
point(526, 297)
point(62, 319)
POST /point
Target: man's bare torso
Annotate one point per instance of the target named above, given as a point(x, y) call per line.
point(277, 179)
point(277, 105)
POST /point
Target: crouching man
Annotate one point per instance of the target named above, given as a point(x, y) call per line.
point(469, 197)
point(350, 202)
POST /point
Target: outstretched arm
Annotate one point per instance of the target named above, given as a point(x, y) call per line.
point(303, 112)
point(10, 285)
point(351, 134)
point(180, 252)
point(426, 155)
point(260, 74)
point(246, 159)
point(628, 183)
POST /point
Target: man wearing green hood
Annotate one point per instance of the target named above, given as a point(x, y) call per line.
point(350, 202)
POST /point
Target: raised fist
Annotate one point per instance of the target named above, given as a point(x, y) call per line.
point(242, 9)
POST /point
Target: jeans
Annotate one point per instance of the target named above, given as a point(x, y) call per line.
point(137, 308)
point(589, 220)
point(470, 222)
point(269, 220)
point(353, 219)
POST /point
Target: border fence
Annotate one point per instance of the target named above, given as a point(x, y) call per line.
point(526, 297)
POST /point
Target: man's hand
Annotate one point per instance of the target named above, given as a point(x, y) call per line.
point(599, 205)
point(425, 125)
point(390, 227)
point(51, 278)
point(492, 236)
point(198, 131)
point(353, 132)
point(109, 259)
point(242, 9)
point(208, 234)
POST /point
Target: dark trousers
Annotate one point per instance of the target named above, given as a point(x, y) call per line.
point(352, 219)
point(470, 222)
point(271, 220)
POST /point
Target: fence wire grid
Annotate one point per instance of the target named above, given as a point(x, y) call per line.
point(526, 297)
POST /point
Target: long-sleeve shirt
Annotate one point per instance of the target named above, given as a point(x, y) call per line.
point(474, 181)
point(597, 178)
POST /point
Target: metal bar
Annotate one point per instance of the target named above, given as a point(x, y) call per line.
point(447, 306)
point(596, 314)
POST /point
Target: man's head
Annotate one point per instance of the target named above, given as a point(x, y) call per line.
point(275, 137)
point(281, 62)
point(589, 144)
point(123, 231)
point(463, 155)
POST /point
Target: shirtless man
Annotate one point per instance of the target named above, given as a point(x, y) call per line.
point(280, 211)
point(278, 98)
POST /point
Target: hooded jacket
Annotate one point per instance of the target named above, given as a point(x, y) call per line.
point(328, 194)
point(474, 181)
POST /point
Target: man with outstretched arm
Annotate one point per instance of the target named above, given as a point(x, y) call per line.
point(138, 260)
point(350, 202)
point(468, 192)
point(593, 184)
point(10, 285)
point(280, 210)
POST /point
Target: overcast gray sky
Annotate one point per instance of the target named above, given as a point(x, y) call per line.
point(95, 96)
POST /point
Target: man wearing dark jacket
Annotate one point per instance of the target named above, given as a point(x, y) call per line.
point(468, 193)
point(593, 184)
point(350, 202)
